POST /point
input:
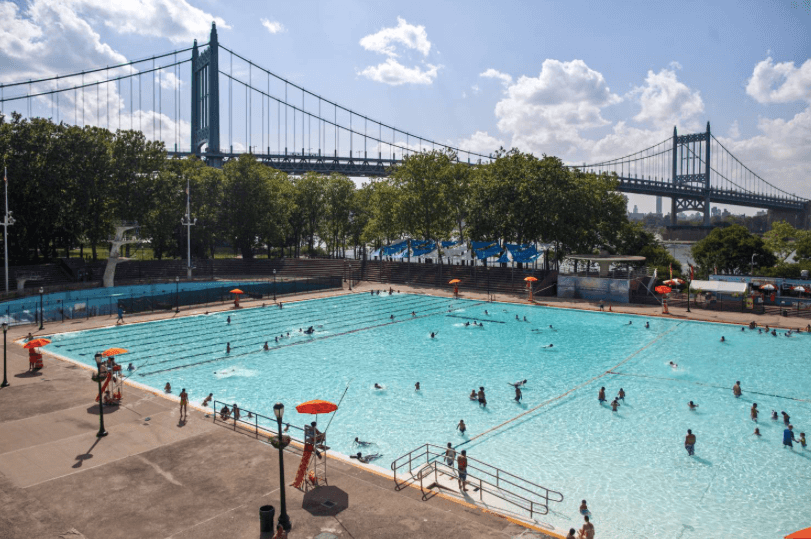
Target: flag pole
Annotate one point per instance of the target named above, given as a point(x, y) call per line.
point(6, 223)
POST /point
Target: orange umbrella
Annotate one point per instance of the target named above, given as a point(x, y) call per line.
point(236, 291)
point(36, 343)
point(802, 534)
point(114, 352)
point(454, 281)
point(533, 279)
point(316, 407)
point(663, 289)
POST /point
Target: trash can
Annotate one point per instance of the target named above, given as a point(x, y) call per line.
point(266, 514)
point(785, 312)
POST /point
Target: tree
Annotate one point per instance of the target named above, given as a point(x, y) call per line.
point(634, 240)
point(779, 239)
point(732, 250)
point(803, 245)
point(309, 198)
point(382, 226)
point(276, 222)
point(338, 196)
point(247, 197)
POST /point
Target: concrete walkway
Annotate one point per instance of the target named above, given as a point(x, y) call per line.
point(154, 476)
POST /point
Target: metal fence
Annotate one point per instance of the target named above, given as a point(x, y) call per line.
point(30, 311)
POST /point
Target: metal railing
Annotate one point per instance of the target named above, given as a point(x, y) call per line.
point(250, 421)
point(429, 459)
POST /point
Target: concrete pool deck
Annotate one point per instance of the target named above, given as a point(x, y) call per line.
point(162, 478)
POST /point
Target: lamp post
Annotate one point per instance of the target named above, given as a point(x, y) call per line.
point(284, 520)
point(8, 220)
point(752, 271)
point(41, 313)
point(177, 295)
point(5, 379)
point(188, 223)
point(274, 284)
point(99, 360)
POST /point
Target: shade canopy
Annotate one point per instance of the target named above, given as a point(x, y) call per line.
point(768, 287)
point(531, 279)
point(36, 343)
point(316, 407)
point(663, 289)
point(236, 291)
point(454, 281)
point(114, 352)
point(725, 287)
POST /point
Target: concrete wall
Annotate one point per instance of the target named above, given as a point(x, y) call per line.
point(594, 288)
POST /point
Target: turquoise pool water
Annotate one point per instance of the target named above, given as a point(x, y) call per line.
point(631, 466)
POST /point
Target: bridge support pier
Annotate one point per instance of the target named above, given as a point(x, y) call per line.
point(690, 152)
point(205, 101)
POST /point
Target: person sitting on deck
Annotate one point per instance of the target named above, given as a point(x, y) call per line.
point(225, 413)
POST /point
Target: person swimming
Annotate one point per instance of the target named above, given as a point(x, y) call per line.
point(310, 330)
point(549, 345)
point(647, 325)
point(516, 317)
point(630, 322)
point(757, 432)
point(417, 386)
point(266, 347)
point(461, 426)
point(378, 386)
point(722, 339)
point(362, 443)
point(366, 459)
point(467, 324)
point(691, 405)
point(473, 395)
point(130, 367)
point(228, 320)
point(614, 405)
point(774, 415)
point(519, 383)
point(413, 313)
point(601, 395)
point(525, 319)
point(277, 339)
point(674, 365)
point(433, 334)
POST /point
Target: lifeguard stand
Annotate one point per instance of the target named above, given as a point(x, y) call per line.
point(312, 470)
point(34, 359)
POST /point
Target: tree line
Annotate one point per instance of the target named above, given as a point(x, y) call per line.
point(69, 185)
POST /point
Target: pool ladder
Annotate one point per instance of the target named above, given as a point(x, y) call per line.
point(429, 460)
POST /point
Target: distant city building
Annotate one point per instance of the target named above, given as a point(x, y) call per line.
point(658, 205)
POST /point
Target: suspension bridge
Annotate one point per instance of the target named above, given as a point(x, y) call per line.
point(296, 131)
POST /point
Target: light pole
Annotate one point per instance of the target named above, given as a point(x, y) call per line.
point(177, 295)
point(274, 284)
point(41, 313)
point(5, 379)
point(284, 520)
point(188, 223)
point(101, 432)
point(8, 220)
point(752, 271)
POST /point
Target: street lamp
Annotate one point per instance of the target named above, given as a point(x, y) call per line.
point(188, 223)
point(5, 379)
point(177, 295)
point(284, 520)
point(99, 360)
point(274, 284)
point(41, 314)
point(752, 271)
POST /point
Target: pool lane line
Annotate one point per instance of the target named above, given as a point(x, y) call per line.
point(297, 343)
point(575, 388)
point(477, 319)
point(705, 385)
point(265, 338)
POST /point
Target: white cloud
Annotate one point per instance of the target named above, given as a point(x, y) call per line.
point(734, 130)
point(386, 40)
point(274, 27)
point(491, 73)
point(479, 142)
point(674, 65)
point(175, 20)
point(475, 89)
point(780, 83)
point(665, 101)
point(394, 73)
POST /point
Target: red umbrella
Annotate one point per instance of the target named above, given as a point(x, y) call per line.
point(316, 407)
point(36, 343)
point(802, 534)
point(663, 289)
point(236, 291)
point(114, 352)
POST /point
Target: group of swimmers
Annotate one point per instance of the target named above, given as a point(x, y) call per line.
point(615, 404)
point(377, 292)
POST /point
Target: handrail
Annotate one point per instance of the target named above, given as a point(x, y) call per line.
point(249, 414)
point(487, 475)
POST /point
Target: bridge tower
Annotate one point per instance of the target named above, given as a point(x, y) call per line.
point(205, 101)
point(691, 166)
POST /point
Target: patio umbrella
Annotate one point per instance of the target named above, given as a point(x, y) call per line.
point(663, 289)
point(114, 352)
point(36, 343)
point(532, 279)
point(800, 289)
point(454, 281)
point(674, 282)
point(768, 287)
point(802, 534)
point(236, 291)
point(316, 407)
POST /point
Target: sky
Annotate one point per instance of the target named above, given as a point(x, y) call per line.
point(582, 81)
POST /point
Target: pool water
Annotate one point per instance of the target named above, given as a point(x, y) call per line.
point(631, 465)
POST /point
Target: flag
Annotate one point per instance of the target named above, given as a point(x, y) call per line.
point(653, 279)
point(715, 269)
point(671, 271)
point(691, 272)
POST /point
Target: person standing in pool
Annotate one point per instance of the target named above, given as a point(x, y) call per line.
point(601, 395)
point(786, 418)
point(184, 401)
point(482, 398)
point(736, 389)
point(690, 442)
point(228, 320)
point(691, 405)
point(614, 405)
point(266, 347)
point(517, 394)
point(228, 348)
point(417, 386)
point(461, 426)
point(473, 396)
point(788, 437)
point(621, 394)
point(753, 412)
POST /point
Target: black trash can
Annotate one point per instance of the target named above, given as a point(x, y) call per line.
point(266, 514)
point(785, 312)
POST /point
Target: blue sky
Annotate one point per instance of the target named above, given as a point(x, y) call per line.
point(580, 80)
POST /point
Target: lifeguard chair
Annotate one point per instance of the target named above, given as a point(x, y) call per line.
point(34, 359)
point(113, 387)
point(312, 471)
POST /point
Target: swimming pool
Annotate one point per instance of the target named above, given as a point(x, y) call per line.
point(631, 465)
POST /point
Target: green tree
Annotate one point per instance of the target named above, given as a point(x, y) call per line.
point(309, 200)
point(803, 245)
point(634, 240)
point(338, 197)
point(276, 223)
point(779, 239)
point(382, 227)
point(246, 198)
point(733, 250)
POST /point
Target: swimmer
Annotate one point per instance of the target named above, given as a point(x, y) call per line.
point(472, 395)
point(208, 399)
point(647, 325)
point(461, 426)
point(753, 412)
point(417, 386)
point(130, 367)
point(413, 313)
point(361, 443)
point(485, 312)
point(266, 346)
point(691, 405)
point(391, 317)
point(228, 348)
point(519, 383)
point(743, 329)
point(757, 432)
point(367, 458)
point(378, 386)
point(517, 394)
point(722, 339)
point(674, 365)
point(467, 324)
point(614, 405)
point(736, 389)
point(310, 330)
point(516, 317)
point(786, 418)
point(774, 333)
point(802, 439)
point(433, 334)
point(525, 319)
point(229, 320)
point(277, 339)
point(601, 395)
point(550, 326)
point(774, 415)
point(630, 322)
point(167, 388)
point(621, 394)
point(481, 397)
point(549, 345)
point(584, 510)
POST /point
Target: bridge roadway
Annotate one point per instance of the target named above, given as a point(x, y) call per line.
point(298, 164)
